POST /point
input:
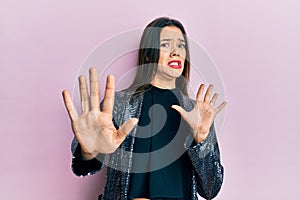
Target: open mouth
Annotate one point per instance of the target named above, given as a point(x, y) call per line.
point(176, 64)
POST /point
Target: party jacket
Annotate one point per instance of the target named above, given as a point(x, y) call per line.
point(207, 174)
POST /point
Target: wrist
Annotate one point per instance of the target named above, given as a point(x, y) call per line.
point(87, 156)
point(199, 135)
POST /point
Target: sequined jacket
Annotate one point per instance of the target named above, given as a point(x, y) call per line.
point(207, 172)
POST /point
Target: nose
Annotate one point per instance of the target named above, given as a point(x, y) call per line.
point(174, 52)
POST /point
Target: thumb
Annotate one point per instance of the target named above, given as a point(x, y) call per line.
point(179, 109)
point(126, 127)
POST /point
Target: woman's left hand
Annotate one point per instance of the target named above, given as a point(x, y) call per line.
point(203, 114)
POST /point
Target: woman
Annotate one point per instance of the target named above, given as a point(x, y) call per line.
point(102, 135)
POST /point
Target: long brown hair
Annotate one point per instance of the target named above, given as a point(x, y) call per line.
point(148, 56)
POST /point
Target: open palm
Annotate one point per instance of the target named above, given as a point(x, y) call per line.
point(203, 114)
point(93, 128)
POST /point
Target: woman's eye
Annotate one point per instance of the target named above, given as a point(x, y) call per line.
point(164, 45)
point(182, 46)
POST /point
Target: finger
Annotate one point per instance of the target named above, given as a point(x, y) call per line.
point(208, 93)
point(94, 89)
point(179, 109)
point(214, 99)
point(125, 129)
point(109, 95)
point(221, 106)
point(69, 105)
point(199, 93)
point(84, 96)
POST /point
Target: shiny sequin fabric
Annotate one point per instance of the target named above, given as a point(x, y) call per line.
point(205, 157)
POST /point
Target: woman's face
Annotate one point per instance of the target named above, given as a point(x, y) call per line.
point(172, 54)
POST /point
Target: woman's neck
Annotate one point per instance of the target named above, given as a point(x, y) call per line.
point(165, 84)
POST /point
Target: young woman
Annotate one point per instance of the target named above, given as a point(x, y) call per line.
point(129, 124)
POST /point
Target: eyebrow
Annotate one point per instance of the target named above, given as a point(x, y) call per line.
point(170, 39)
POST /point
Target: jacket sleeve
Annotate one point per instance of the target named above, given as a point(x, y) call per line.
point(205, 158)
point(82, 167)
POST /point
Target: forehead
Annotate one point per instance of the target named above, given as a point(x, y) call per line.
point(171, 32)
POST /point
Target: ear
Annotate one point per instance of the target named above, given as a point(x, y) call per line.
point(147, 58)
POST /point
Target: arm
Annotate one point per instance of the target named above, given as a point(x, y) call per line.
point(205, 159)
point(205, 156)
point(81, 167)
point(94, 129)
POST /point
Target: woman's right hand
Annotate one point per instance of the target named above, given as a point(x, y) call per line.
point(94, 129)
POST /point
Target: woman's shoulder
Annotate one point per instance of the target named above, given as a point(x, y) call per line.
point(188, 103)
point(129, 94)
point(125, 95)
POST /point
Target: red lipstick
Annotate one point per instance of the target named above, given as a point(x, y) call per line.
point(176, 64)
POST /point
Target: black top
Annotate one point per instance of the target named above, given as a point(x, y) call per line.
point(151, 177)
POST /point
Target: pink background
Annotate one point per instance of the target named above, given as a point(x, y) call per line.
point(254, 44)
